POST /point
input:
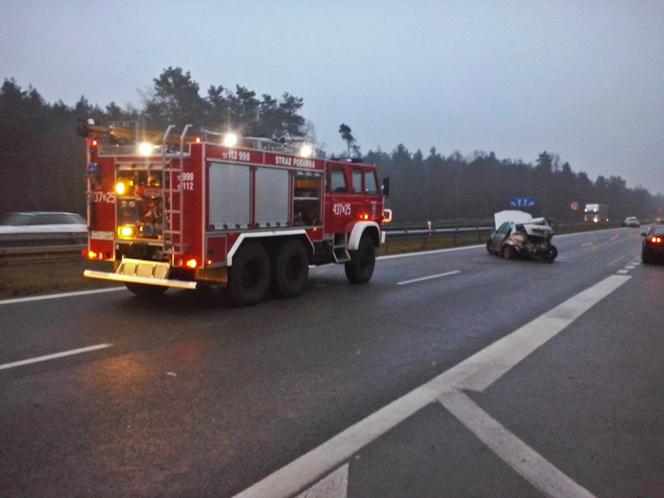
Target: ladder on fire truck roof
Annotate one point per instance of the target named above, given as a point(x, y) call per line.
point(173, 211)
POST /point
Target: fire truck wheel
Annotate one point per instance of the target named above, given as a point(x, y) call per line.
point(144, 290)
point(361, 265)
point(249, 275)
point(291, 269)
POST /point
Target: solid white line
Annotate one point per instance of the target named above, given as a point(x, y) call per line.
point(311, 466)
point(518, 455)
point(427, 253)
point(429, 277)
point(53, 356)
point(482, 369)
point(60, 296)
point(334, 485)
point(478, 371)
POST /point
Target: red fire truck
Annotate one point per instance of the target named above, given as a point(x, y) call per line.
point(186, 210)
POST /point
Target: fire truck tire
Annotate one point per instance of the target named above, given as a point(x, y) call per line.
point(360, 268)
point(144, 290)
point(291, 269)
point(249, 275)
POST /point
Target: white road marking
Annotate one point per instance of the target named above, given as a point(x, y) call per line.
point(476, 372)
point(60, 295)
point(482, 369)
point(427, 253)
point(54, 356)
point(616, 261)
point(429, 277)
point(334, 485)
point(622, 271)
point(518, 455)
point(586, 244)
point(583, 233)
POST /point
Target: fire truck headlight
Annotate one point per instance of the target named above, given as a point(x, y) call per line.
point(121, 188)
point(306, 150)
point(191, 263)
point(145, 148)
point(230, 140)
point(126, 231)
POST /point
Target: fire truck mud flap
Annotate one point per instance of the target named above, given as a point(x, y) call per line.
point(137, 271)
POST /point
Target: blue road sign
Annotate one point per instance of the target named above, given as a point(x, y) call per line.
point(522, 202)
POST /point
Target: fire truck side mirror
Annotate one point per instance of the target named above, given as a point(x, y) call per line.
point(386, 186)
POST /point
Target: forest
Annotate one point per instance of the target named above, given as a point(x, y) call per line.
point(42, 159)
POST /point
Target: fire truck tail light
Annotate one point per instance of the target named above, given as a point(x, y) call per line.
point(198, 140)
point(191, 263)
point(92, 142)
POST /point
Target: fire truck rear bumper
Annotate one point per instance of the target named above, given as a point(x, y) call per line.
point(135, 279)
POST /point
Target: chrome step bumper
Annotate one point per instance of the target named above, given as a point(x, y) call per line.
point(137, 271)
point(164, 282)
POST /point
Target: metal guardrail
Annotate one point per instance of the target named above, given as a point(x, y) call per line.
point(43, 248)
point(414, 232)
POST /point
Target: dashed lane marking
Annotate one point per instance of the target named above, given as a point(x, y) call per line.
point(586, 244)
point(54, 356)
point(428, 277)
point(474, 373)
point(616, 261)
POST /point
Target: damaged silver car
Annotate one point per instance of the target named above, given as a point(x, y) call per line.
point(517, 234)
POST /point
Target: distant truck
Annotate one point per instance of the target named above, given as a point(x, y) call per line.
point(596, 213)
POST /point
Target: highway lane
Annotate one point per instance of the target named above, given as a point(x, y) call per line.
point(196, 397)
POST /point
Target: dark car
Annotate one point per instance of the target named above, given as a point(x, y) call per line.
point(653, 244)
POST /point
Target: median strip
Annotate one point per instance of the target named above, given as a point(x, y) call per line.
point(62, 354)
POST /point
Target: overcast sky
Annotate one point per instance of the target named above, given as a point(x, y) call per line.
point(582, 79)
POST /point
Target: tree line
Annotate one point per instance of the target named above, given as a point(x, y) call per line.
point(460, 188)
point(42, 159)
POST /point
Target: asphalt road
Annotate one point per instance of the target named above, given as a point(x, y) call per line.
point(190, 397)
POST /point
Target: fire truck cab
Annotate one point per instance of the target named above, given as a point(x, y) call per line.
point(186, 210)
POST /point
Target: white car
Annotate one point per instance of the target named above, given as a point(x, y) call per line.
point(632, 221)
point(42, 228)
